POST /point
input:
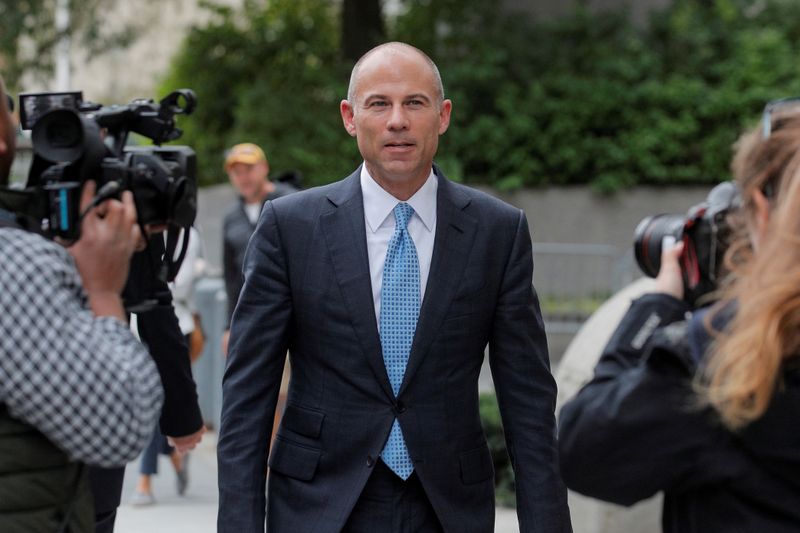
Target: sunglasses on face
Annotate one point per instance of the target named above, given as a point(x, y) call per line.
point(774, 107)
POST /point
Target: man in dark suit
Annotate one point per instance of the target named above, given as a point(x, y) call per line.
point(386, 288)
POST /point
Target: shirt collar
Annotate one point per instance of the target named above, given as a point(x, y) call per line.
point(378, 203)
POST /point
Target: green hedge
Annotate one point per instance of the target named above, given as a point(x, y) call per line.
point(275, 80)
point(587, 99)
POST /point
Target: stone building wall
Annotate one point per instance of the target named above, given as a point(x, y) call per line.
point(119, 75)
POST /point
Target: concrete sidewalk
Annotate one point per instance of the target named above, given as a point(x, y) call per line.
point(196, 512)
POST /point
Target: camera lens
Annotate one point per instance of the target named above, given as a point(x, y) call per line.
point(647, 240)
point(58, 136)
point(66, 135)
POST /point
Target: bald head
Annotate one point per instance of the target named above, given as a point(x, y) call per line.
point(386, 51)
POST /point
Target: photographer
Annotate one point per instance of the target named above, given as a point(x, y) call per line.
point(75, 385)
point(701, 405)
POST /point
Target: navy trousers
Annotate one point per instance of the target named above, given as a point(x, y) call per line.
point(390, 505)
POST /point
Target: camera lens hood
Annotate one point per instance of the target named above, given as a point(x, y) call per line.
point(647, 240)
point(58, 136)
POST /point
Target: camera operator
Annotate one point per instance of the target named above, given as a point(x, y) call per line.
point(701, 404)
point(180, 418)
point(75, 385)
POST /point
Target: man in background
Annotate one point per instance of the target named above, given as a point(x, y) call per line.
point(248, 170)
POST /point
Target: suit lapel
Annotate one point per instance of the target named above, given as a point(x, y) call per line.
point(455, 234)
point(345, 234)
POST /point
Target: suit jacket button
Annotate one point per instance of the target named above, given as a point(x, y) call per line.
point(370, 461)
point(400, 407)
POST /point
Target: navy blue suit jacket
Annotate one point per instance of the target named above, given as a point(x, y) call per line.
point(307, 290)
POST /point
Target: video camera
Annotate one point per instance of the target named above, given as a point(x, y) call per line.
point(705, 233)
point(75, 140)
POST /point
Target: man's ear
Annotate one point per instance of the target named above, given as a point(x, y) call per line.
point(348, 115)
point(760, 216)
point(263, 167)
point(444, 115)
point(761, 212)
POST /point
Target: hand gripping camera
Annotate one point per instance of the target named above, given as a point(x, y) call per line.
point(74, 141)
point(705, 233)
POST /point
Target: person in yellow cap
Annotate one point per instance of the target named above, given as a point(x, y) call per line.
point(248, 170)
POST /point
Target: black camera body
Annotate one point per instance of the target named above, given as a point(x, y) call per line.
point(705, 233)
point(74, 141)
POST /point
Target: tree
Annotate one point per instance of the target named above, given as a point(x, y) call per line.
point(362, 27)
point(591, 98)
point(271, 74)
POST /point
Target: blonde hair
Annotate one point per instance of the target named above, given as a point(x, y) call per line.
point(747, 360)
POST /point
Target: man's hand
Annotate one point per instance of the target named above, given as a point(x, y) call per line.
point(109, 236)
point(670, 279)
point(188, 442)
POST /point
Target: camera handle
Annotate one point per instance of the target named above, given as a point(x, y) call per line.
point(106, 192)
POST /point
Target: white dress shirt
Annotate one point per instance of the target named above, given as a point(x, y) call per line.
point(379, 216)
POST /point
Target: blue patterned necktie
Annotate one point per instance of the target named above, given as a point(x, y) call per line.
point(398, 321)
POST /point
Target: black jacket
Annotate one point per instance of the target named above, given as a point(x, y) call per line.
point(236, 232)
point(636, 429)
point(159, 330)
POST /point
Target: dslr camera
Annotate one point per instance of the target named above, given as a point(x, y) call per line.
point(705, 233)
point(74, 140)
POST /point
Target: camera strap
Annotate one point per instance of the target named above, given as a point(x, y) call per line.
point(172, 263)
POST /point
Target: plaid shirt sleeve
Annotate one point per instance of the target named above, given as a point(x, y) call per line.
point(85, 382)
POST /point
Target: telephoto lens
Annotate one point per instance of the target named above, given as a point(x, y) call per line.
point(648, 236)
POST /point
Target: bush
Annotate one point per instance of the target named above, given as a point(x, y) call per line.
point(587, 99)
point(273, 78)
point(590, 99)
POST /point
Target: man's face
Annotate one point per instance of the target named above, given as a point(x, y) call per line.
point(249, 180)
point(7, 138)
point(396, 118)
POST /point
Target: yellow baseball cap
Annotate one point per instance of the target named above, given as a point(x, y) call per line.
point(247, 153)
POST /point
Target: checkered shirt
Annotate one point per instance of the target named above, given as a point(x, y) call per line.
point(85, 382)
